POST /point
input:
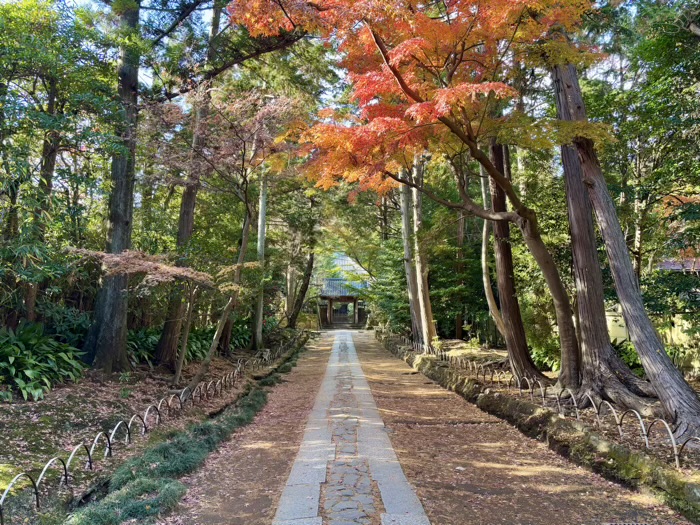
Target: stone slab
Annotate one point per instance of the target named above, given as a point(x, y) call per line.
point(299, 501)
point(405, 519)
point(301, 521)
point(357, 425)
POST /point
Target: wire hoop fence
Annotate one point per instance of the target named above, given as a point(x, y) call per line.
point(565, 402)
point(139, 424)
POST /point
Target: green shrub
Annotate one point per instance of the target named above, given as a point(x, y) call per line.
point(68, 325)
point(240, 334)
point(142, 499)
point(141, 345)
point(542, 338)
point(198, 344)
point(32, 362)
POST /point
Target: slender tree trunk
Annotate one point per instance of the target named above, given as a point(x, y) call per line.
point(166, 350)
point(518, 354)
point(292, 283)
point(106, 341)
point(230, 304)
point(526, 219)
point(49, 154)
point(422, 290)
point(485, 266)
point(10, 228)
point(408, 261)
point(303, 290)
point(185, 337)
point(459, 318)
point(262, 218)
point(204, 367)
point(385, 218)
point(679, 400)
point(10, 231)
point(639, 216)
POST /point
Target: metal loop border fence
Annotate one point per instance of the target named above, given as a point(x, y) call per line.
point(202, 389)
point(481, 370)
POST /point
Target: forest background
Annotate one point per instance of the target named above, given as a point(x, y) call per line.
point(177, 177)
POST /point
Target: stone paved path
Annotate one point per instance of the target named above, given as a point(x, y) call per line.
point(346, 471)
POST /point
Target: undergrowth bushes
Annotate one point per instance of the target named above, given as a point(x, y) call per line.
point(142, 344)
point(32, 362)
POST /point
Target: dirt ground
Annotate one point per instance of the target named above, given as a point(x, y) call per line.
point(241, 483)
point(470, 467)
point(466, 466)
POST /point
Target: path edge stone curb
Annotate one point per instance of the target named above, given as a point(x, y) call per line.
point(570, 439)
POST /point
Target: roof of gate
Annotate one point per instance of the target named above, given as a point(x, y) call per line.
point(338, 287)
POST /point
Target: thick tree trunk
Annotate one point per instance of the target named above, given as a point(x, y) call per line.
point(422, 290)
point(166, 350)
point(409, 261)
point(485, 266)
point(303, 290)
point(106, 341)
point(603, 374)
point(679, 400)
point(258, 342)
point(518, 354)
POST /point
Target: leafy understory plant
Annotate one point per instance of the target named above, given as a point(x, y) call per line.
point(32, 362)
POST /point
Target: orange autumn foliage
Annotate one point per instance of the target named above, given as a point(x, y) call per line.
point(423, 74)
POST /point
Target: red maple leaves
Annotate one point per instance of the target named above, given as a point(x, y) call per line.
point(421, 73)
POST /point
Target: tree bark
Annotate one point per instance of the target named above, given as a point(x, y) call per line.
point(409, 261)
point(422, 290)
point(459, 318)
point(225, 341)
point(49, 154)
point(185, 338)
point(166, 350)
point(485, 266)
point(516, 341)
point(106, 342)
point(679, 400)
point(303, 290)
point(258, 342)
